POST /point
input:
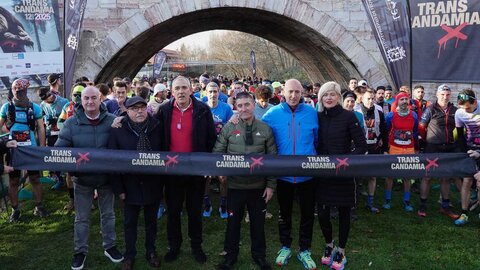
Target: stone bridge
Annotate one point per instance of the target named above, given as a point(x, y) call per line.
point(332, 39)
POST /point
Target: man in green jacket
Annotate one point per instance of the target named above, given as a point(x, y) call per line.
point(248, 136)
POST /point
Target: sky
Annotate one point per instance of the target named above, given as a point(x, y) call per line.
point(200, 39)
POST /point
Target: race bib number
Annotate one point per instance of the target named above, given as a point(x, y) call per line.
point(54, 130)
point(402, 137)
point(22, 137)
point(371, 136)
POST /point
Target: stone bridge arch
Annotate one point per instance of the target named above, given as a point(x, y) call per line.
point(323, 45)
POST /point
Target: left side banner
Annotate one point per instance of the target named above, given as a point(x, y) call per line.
point(74, 11)
point(30, 41)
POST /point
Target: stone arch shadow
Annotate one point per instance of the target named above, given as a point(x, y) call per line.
point(327, 51)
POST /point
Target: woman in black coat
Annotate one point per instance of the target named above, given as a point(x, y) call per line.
point(337, 129)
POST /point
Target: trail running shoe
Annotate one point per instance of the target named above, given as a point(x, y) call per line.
point(15, 216)
point(387, 206)
point(462, 220)
point(372, 209)
point(339, 261)
point(161, 211)
point(327, 258)
point(449, 213)
point(222, 210)
point(408, 207)
point(306, 258)
point(284, 254)
point(422, 211)
point(207, 212)
point(40, 211)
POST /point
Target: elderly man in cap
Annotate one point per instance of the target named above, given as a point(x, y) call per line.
point(141, 132)
point(90, 128)
point(55, 81)
point(23, 119)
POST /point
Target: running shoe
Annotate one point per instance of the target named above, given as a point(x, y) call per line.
point(207, 212)
point(305, 257)
point(223, 212)
point(387, 206)
point(161, 211)
point(339, 261)
point(327, 258)
point(372, 209)
point(408, 207)
point(449, 213)
point(284, 254)
point(422, 211)
point(462, 220)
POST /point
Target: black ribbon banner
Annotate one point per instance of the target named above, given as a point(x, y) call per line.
point(134, 162)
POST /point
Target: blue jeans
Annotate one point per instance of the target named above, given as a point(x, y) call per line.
point(83, 207)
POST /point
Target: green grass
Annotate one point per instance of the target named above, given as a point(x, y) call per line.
point(392, 239)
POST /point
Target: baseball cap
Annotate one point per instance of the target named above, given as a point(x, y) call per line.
point(159, 87)
point(78, 89)
point(443, 87)
point(134, 101)
point(127, 80)
point(388, 88)
point(363, 83)
point(276, 84)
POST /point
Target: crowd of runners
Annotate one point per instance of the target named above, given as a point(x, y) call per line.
point(238, 116)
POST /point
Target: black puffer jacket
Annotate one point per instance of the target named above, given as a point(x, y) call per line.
point(140, 189)
point(337, 129)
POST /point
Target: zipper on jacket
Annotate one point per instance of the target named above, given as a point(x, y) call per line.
point(446, 125)
point(294, 142)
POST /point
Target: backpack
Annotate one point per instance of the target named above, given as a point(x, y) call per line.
point(12, 114)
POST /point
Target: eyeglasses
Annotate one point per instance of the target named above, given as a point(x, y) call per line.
point(138, 108)
point(465, 97)
point(77, 95)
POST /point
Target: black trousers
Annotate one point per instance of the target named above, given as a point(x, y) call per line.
point(343, 224)
point(130, 225)
point(177, 190)
point(305, 192)
point(236, 201)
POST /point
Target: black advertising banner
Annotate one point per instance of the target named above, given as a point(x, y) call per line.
point(446, 40)
point(253, 61)
point(134, 162)
point(158, 62)
point(390, 24)
point(30, 41)
point(74, 11)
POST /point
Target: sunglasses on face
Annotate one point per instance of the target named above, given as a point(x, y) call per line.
point(77, 95)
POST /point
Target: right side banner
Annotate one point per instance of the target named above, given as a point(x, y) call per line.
point(446, 40)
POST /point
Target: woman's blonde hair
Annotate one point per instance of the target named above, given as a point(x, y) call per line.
point(329, 86)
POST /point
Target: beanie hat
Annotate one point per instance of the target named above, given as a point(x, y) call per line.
point(402, 95)
point(21, 84)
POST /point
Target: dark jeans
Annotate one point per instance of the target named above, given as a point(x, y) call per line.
point(237, 200)
point(130, 224)
point(177, 190)
point(305, 192)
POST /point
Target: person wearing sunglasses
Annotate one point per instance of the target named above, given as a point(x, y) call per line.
point(467, 117)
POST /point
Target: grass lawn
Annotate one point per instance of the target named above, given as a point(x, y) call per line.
point(391, 239)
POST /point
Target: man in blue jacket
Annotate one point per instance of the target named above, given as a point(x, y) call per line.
point(295, 127)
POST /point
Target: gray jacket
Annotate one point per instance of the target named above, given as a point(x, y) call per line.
point(78, 132)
